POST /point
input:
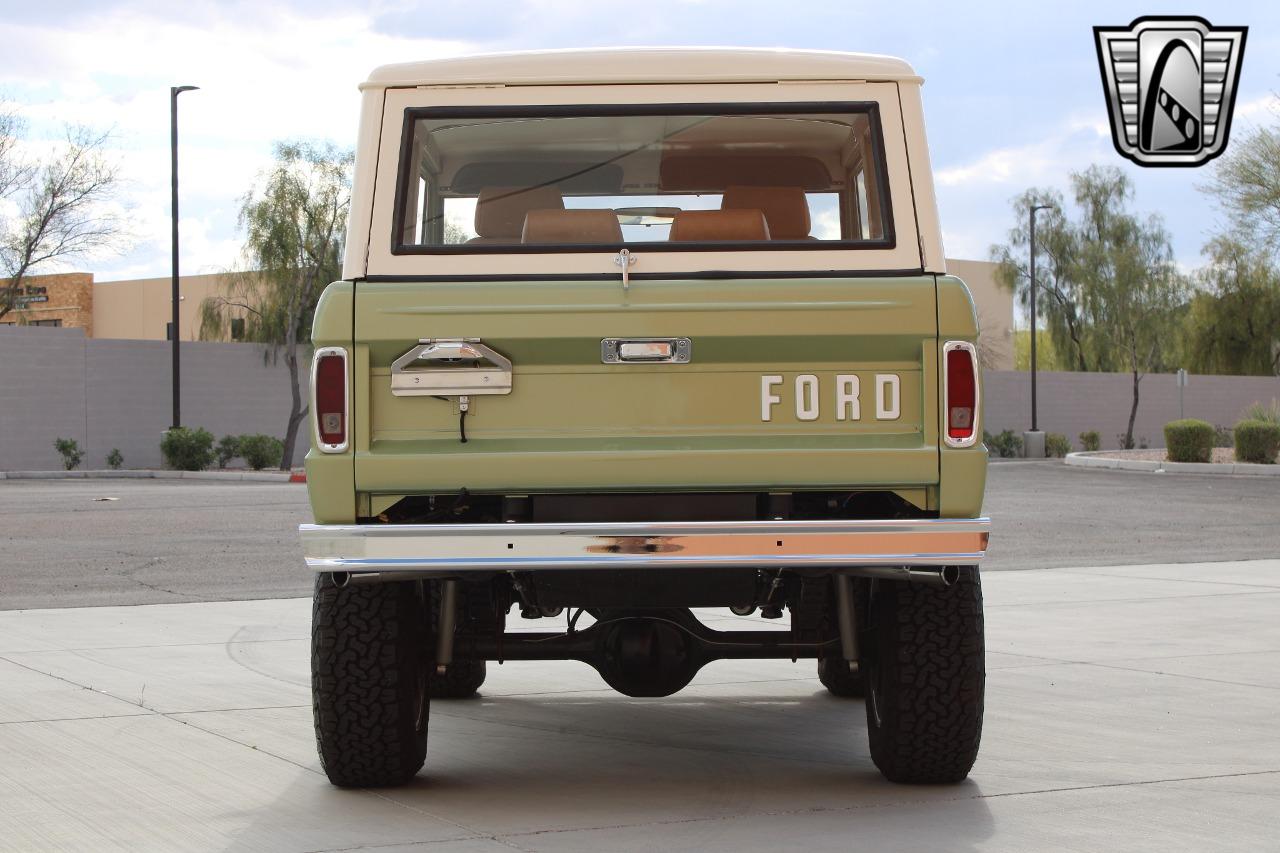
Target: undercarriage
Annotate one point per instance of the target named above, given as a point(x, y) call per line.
point(888, 607)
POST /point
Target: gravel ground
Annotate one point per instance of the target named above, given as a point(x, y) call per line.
point(1220, 455)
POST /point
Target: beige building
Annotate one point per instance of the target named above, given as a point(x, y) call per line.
point(138, 309)
point(995, 311)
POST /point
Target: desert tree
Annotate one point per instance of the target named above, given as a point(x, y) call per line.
point(1233, 322)
point(1107, 289)
point(294, 222)
point(59, 205)
point(1133, 292)
point(1058, 296)
point(1245, 183)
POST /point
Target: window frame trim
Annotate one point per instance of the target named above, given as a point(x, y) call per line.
point(763, 108)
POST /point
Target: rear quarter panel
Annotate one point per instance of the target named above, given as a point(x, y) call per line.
point(962, 475)
point(331, 477)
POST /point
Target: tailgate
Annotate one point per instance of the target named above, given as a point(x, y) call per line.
point(573, 422)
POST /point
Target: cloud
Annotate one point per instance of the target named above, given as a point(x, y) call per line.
point(266, 73)
point(1074, 143)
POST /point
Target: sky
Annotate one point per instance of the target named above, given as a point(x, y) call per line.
point(1012, 94)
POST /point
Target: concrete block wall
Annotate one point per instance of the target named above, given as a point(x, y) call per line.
point(1071, 403)
point(117, 394)
point(42, 397)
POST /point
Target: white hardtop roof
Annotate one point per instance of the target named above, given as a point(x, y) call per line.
point(643, 65)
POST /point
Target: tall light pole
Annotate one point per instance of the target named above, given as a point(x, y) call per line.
point(1034, 208)
point(174, 92)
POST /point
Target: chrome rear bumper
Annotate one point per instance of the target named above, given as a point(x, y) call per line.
point(450, 549)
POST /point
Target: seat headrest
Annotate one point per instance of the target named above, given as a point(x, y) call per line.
point(716, 225)
point(571, 226)
point(500, 211)
point(785, 208)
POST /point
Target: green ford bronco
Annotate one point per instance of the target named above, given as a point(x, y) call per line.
point(626, 333)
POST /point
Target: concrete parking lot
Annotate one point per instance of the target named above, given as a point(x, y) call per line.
point(1131, 703)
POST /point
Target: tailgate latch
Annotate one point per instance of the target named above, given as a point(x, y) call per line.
point(626, 260)
point(450, 367)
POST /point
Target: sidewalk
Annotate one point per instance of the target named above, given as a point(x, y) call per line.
point(1128, 708)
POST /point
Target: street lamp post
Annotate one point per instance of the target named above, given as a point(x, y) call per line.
point(1035, 434)
point(174, 92)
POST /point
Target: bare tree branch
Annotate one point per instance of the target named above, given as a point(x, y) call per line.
point(61, 201)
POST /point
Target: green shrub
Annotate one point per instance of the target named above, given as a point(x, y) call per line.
point(261, 450)
point(1056, 444)
point(228, 449)
point(1005, 445)
point(1257, 441)
point(1189, 440)
point(115, 459)
point(187, 449)
point(1090, 440)
point(1222, 437)
point(71, 452)
point(1258, 412)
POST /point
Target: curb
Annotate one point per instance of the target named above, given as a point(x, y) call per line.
point(1091, 459)
point(233, 476)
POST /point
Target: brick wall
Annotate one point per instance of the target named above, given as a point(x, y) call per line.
point(65, 296)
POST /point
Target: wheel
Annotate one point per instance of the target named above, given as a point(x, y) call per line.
point(369, 659)
point(925, 679)
point(834, 674)
point(460, 681)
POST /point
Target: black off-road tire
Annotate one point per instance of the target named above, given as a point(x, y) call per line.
point(834, 674)
point(460, 681)
point(925, 680)
point(369, 658)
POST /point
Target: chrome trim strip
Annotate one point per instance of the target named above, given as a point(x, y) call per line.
point(711, 544)
point(977, 396)
point(346, 401)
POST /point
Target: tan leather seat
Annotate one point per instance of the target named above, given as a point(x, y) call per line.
point(718, 225)
point(500, 211)
point(785, 209)
point(571, 226)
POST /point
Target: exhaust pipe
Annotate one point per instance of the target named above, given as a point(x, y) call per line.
point(933, 576)
point(342, 580)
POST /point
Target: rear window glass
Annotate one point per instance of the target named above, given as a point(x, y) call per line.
point(478, 181)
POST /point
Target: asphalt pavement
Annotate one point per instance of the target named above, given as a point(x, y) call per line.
point(77, 543)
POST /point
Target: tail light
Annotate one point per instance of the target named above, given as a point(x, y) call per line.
point(330, 399)
point(960, 392)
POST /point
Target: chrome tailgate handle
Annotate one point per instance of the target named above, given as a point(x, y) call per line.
point(449, 351)
point(450, 367)
point(646, 350)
